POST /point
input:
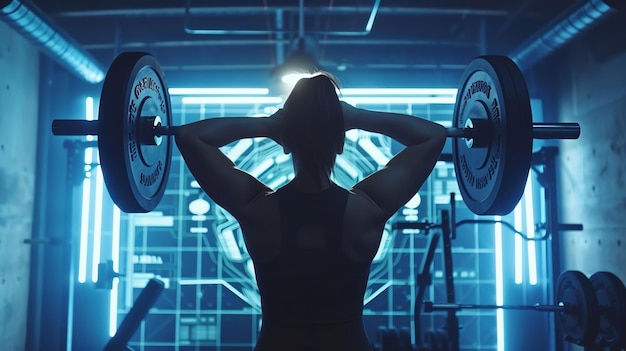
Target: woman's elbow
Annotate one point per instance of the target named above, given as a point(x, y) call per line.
point(440, 135)
point(184, 137)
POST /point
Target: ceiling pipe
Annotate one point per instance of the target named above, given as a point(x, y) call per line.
point(257, 10)
point(561, 32)
point(249, 42)
point(214, 31)
point(41, 32)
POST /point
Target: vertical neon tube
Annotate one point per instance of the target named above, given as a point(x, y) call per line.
point(499, 284)
point(84, 226)
point(115, 256)
point(519, 255)
point(86, 201)
point(97, 225)
point(530, 230)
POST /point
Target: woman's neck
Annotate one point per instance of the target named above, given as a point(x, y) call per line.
point(307, 182)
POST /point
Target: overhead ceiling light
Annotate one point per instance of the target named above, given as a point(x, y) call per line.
point(300, 64)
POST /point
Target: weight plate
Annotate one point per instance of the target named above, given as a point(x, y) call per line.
point(611, 296)
point(579, 321)
point(135, 172)
point(492, 177)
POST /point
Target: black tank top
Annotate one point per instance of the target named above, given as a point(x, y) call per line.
point(311, 285)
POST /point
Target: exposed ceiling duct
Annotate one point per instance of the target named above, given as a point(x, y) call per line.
point(560, 32)
point(214, 31)
point(41, 32)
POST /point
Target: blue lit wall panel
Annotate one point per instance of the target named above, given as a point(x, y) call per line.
point(197, 248)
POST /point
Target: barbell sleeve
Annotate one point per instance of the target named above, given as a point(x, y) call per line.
point(540, 131)
point(85, 127)
point(74, 127)
point(556, 130)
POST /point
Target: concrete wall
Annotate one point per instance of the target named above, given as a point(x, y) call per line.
point(19, 87)
point(593, 169)
point(586, 83)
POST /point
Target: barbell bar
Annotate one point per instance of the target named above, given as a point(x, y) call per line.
point(432, 307)
point(540, 130)
point(492, 133)
point(577, 308)
point(592, 313)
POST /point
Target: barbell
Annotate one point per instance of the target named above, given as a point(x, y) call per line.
point(590, 311)
point(492, 131)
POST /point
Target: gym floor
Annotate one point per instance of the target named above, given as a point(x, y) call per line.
point(61, 237)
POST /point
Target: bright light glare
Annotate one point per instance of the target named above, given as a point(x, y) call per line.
point(530, 230)
point(499, 284)
point(86, 201)
point(418, 100)
point(218, 91)
point(292, 78)
point(84, 226)
point(89, 108)
point(115, 255)
point(398, 91)
point(97, 225)
point(231, 100)
point(519, 257)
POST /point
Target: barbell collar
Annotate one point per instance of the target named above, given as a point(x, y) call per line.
point(148, 130)
point(161, 130)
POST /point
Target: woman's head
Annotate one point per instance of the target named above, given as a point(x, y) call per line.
point(313, 126)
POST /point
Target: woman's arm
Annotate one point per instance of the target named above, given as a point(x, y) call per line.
point(199, 143)
point(221, 131)
point(398, 181)
point(406, 129)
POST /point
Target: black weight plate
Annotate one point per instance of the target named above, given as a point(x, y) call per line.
point(611, 296)
point(492, 178)
point(135, 174)
point(581, 317)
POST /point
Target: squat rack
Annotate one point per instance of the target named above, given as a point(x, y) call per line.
point(545, 158)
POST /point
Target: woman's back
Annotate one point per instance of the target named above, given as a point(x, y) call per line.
point(312, 289)
point(311, 241)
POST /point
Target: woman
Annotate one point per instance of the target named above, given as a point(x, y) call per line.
point(311, 241)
